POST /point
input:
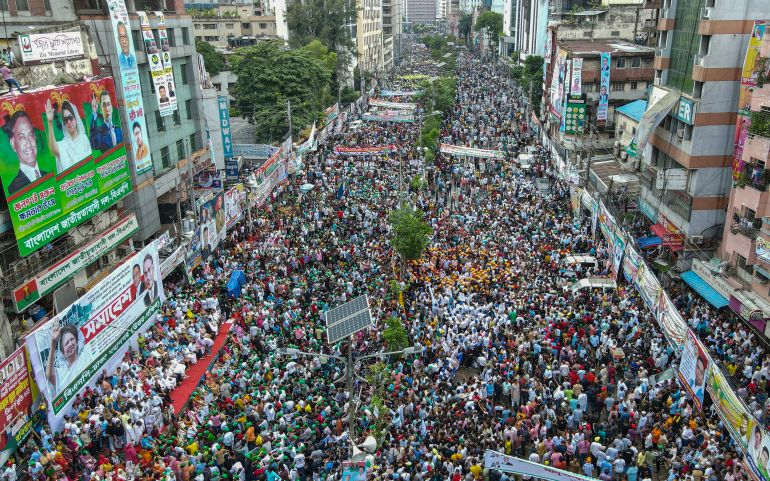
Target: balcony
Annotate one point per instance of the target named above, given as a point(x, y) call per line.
point(93, 7)
point(756, 179)
point(745, 226)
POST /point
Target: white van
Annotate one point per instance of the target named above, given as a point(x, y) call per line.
point(602, 283)
point(568, 264)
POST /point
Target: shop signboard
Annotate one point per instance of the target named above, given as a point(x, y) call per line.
point(37, 48)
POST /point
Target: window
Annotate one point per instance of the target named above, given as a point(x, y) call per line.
point(741, 262)
point(183, 68)
point(171, 37)
point(229, 26)
point(617, 86)
point(151, 83)
point(697, 90)
point(615, 33)
point(620, 62)
point(634, 85)
point(137, 37)
point(177, 117)
point(198, 38)
point(211, 38)
point(47, 5)
point(193, 143)
point(263, 26)
point(687, 132)
point(186, 36)
point(180, 149)
point(217, 87)
point(165, 157)
point(161, 126)
point(209, 26)
point(636, 62)
point(246, 26)
point(22, 5)
point(230, 86)
point(588, 88)
point(188, 107)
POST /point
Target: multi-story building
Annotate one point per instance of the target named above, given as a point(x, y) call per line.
point(697, 62)
point(441, 10)
point(420, 11)
point(369, 38)
point(392, 30)
point(224, 25)
point(470, 6)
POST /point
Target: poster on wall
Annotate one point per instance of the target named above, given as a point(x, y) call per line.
point(63, 159)
point(70, 351)
point(163, 91)
point(576, 83)
point(749, 75)
point(165, 55)
point(604, 87)
point(16, 397)
point(132, 88)
point(693, 369)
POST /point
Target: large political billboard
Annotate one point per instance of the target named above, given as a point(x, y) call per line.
point(16, 398)
point(604, 86)
point(212, 222)
point(63, 159)
point(133, 105)
point(693, 368)
point(71, 350)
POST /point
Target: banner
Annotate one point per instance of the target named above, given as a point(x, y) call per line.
point(16, 397)
point(674, 327)
point(733, 412)
point(49, 279)
point(132, 89)
point(400, 93)
point(62, 163)
point(471, 152)
point(604, 87)
point(631, 262)
point(748, 82)
point(576, 83)
point(193, 258)
point(235, 199)
point(618, 247)
point(648, 286)
point(388, 117)
point(652, 117)
point(361, 151)
point(208, 180)
point(510, 464)
point(72, 350)
point(224, 124)
point(693, 368)
point(311, 144)
point(331, 113)
point(155, 61)
point(575, 116)
point(37, 48)
point(211, 211)
point(165, 54)
point(558, 84)
point(758, 452)
point(269, 175)
point(391, 105)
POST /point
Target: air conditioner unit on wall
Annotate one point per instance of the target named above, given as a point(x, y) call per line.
point(697, 239)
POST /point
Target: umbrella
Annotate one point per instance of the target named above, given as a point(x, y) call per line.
point(306, 188)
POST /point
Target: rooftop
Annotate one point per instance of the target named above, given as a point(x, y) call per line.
point(633, 110)
point(595, 47)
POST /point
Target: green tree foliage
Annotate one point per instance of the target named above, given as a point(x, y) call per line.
point(465, 26)
point(492, 23)
point(530, 76)
point(411, 232)
point(318, 50)
point(395, 335)
point(438, 95)
point(326, 21)
point(214, 59)
point(270, 74)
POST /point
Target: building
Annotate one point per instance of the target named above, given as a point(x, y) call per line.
point(630, 20)
point(470, 6)
point(510, 40)
point(627, 119)
point(392, 31)
point(698, 64)
point(369, 39)
point(224, 25)
point(420, 11)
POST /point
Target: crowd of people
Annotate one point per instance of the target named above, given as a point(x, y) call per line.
point(513, 359)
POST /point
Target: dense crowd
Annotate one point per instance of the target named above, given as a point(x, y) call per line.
point(514, 359)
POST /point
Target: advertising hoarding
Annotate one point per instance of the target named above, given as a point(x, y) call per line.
point(49, 279)
point(604, 87)
point(224, 124)
point(132, 89)
point(163, 92)
point(70, 351)
point(575, 116)
point(391, 105)
point(728, 405)
point(37, 48)
point(361, 151)
point(63, 159)
point(331, 113)
point(16, 398)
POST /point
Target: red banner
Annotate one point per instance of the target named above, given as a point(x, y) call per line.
point(15, 395)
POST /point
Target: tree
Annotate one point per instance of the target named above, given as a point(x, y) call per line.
point(465, 26)
point(411, 232)
point(214, 59)
point(395, 335)
point(318, 50)
point(269, 75)
point(533, 80)
point(492, 23)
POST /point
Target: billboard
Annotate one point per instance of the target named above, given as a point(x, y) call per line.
point(132, 89)
point(163, 91)
point(63, 159)
point(47, 280)
point(70, 351)
point(748, 82)
point(604, 87)
point(575, 116)
point(693, 368)
point(16, 397)
point(212, 215)
point(224, 124)
point(165, 55)
point(576, 83)
point(37, 48)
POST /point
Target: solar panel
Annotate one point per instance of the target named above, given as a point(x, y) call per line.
point(347, 319)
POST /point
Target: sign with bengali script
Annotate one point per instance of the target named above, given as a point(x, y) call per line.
point(693, 368)
point(16, 397)
point(361, 151)
point(62, 159)
point(49, 279)
point(37, 48)
point(235, 200)
point(71, 350)
point(388, 117)
point(604, 87)
point(471, 152)
point(392, 105)
point(163, 92)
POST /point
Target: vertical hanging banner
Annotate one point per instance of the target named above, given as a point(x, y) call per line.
point(604, 87)
point(224, 124)
point(693, 368)
point(132, 89)
point(749, 76)
point(576, 84)
point(156, 66)
point(165, 53)
point(16, 399)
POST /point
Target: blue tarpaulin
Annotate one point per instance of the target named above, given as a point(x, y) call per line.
point(645, 242)
point(706, 291)
point(235, 284)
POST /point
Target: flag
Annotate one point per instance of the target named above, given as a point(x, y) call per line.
point(26, 295)
point(341, 190)
point(423, 429)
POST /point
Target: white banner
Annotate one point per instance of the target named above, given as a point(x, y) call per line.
point(165, 53)
point(693, 368)
point(72, 350)
point(235, 199)
point(391, 105)
point(471, 152)
point(158, 73)
point(37, 48)
point(576, 84)
point(509, 464)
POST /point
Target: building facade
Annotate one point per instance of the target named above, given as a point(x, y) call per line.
point(223, 25)
point(369, 38)
point(420, 11)
point(392, 30)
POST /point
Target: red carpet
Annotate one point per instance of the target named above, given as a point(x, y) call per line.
point(183, 391)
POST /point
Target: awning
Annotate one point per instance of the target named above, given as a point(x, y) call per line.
point(646, 242)
point(706, 291)
point(672, 241)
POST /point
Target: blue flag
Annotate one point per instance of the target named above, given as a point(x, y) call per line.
point(341, 190)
